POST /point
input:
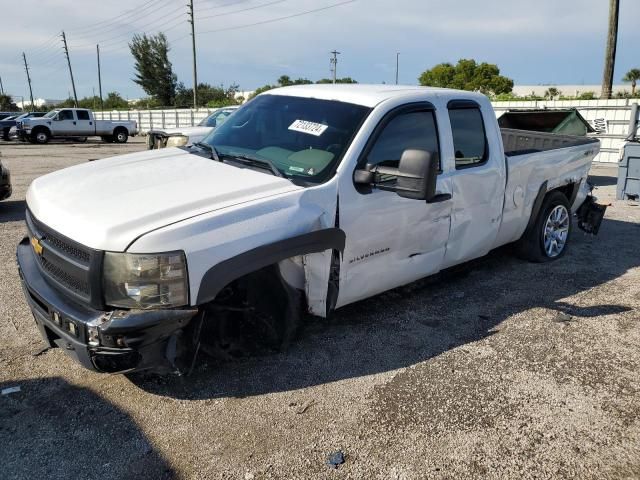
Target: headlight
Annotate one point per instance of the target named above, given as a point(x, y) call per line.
point(145, 281)
point(177, 141)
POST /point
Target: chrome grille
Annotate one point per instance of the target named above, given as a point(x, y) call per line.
point(66, 264)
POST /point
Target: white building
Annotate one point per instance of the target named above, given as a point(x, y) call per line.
point(566, 90)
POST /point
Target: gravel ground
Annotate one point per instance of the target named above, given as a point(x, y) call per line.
point(505, 370)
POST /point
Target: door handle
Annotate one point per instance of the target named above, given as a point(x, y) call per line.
point(90, 123)
point(74, 122)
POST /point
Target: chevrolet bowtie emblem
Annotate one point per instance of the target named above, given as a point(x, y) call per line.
point(37, 247)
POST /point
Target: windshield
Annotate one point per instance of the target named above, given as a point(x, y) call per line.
point(301, 137)
point(216, 119)
point(12, 117)
point(51, 114)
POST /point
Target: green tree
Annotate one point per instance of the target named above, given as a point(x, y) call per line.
point(552, 92)
point(7, 104)
point(468, 75)
point(114, 101)
point(632, 76)
point(587, 96)
point(338, 80)
point(154, 72)
point(208, 95)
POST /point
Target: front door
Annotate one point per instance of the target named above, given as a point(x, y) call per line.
point(64, 123)
point(392, 241)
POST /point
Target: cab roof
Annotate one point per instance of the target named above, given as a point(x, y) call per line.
point(367, 95)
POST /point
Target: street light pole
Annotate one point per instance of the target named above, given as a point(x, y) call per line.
point(397, 66)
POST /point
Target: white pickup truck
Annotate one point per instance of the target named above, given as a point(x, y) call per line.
point(74, 123)
point(186, 136)
point(308, 198)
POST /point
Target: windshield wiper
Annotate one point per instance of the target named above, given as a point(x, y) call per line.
point(255, 161)
point(209, 148)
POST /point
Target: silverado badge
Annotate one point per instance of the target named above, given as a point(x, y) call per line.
point(37, 247)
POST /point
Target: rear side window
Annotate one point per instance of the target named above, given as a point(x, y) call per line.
point(408, 131)
point(469, 137)
point(82, 114)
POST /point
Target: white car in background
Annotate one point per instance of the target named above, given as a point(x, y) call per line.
point(186, 136)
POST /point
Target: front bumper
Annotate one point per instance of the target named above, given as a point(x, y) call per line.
point(129, 340)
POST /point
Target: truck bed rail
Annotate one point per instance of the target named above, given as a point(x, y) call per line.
point(519, 142)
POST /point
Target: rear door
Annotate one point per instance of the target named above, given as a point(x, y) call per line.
point(478, 183)
point(85, 125)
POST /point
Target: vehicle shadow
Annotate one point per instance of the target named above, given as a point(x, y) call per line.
point(412, 324)
point(603, 180)
point(52, 429)
point(12, 211)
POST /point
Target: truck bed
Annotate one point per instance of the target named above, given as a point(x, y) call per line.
point(537, 159)
point(520, 142)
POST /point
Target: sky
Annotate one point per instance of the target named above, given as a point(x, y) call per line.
point(532, 42)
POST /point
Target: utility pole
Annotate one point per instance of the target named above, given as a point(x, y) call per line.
point(26, 68)
point(334, 64)
point(397, 65)
point(193, 45)
point(99, 79)
point(73, 84)
point(610, 54)
point(1, 87)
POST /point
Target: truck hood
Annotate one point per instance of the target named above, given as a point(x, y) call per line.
point(194, 133)
point(107, 204)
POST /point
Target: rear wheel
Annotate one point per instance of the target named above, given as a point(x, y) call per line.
point(5, 134)
point(547, 240)
point(121, 135)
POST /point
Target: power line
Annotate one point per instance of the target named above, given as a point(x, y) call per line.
point(264, 22)
point(224, 5)
point(136, 10)
point(243, 9)
point(101, 32)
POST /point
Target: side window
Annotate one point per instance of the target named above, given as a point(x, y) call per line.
point(65, 115)
point(414, 130)
point(82, 114)
point(469, 137)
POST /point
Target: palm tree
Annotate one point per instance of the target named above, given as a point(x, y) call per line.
point(632, 76)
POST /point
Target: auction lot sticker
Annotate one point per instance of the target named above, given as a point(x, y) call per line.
point(311, 128)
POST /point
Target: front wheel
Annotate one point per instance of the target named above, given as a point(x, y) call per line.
point(41, 136)
point(548, 238)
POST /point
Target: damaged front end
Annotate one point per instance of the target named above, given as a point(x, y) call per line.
point(114, 341)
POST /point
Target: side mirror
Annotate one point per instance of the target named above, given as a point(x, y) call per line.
point(56, 118)
point(416, 177)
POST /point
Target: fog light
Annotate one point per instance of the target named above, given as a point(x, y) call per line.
point(93, 337)
point(72, 328)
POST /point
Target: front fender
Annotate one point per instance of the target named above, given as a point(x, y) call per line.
point(222, 274)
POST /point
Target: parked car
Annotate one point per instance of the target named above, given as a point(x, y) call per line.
point(4, 115)
point(186, 136)
point(75, 123)
point(5, 182)
point(10, 123)
point(307, 198)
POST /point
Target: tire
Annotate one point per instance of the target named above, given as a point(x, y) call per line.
point(41, 136)
point(120, 135)
point(549, 236)
point(5, 134)
point(81, 139)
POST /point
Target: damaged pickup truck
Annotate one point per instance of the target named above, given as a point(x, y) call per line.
point(308, 198)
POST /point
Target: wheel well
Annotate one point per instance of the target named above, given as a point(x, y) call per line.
point(262, 293)
point(120, 129)
point(567, 190)
point(41, 128)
